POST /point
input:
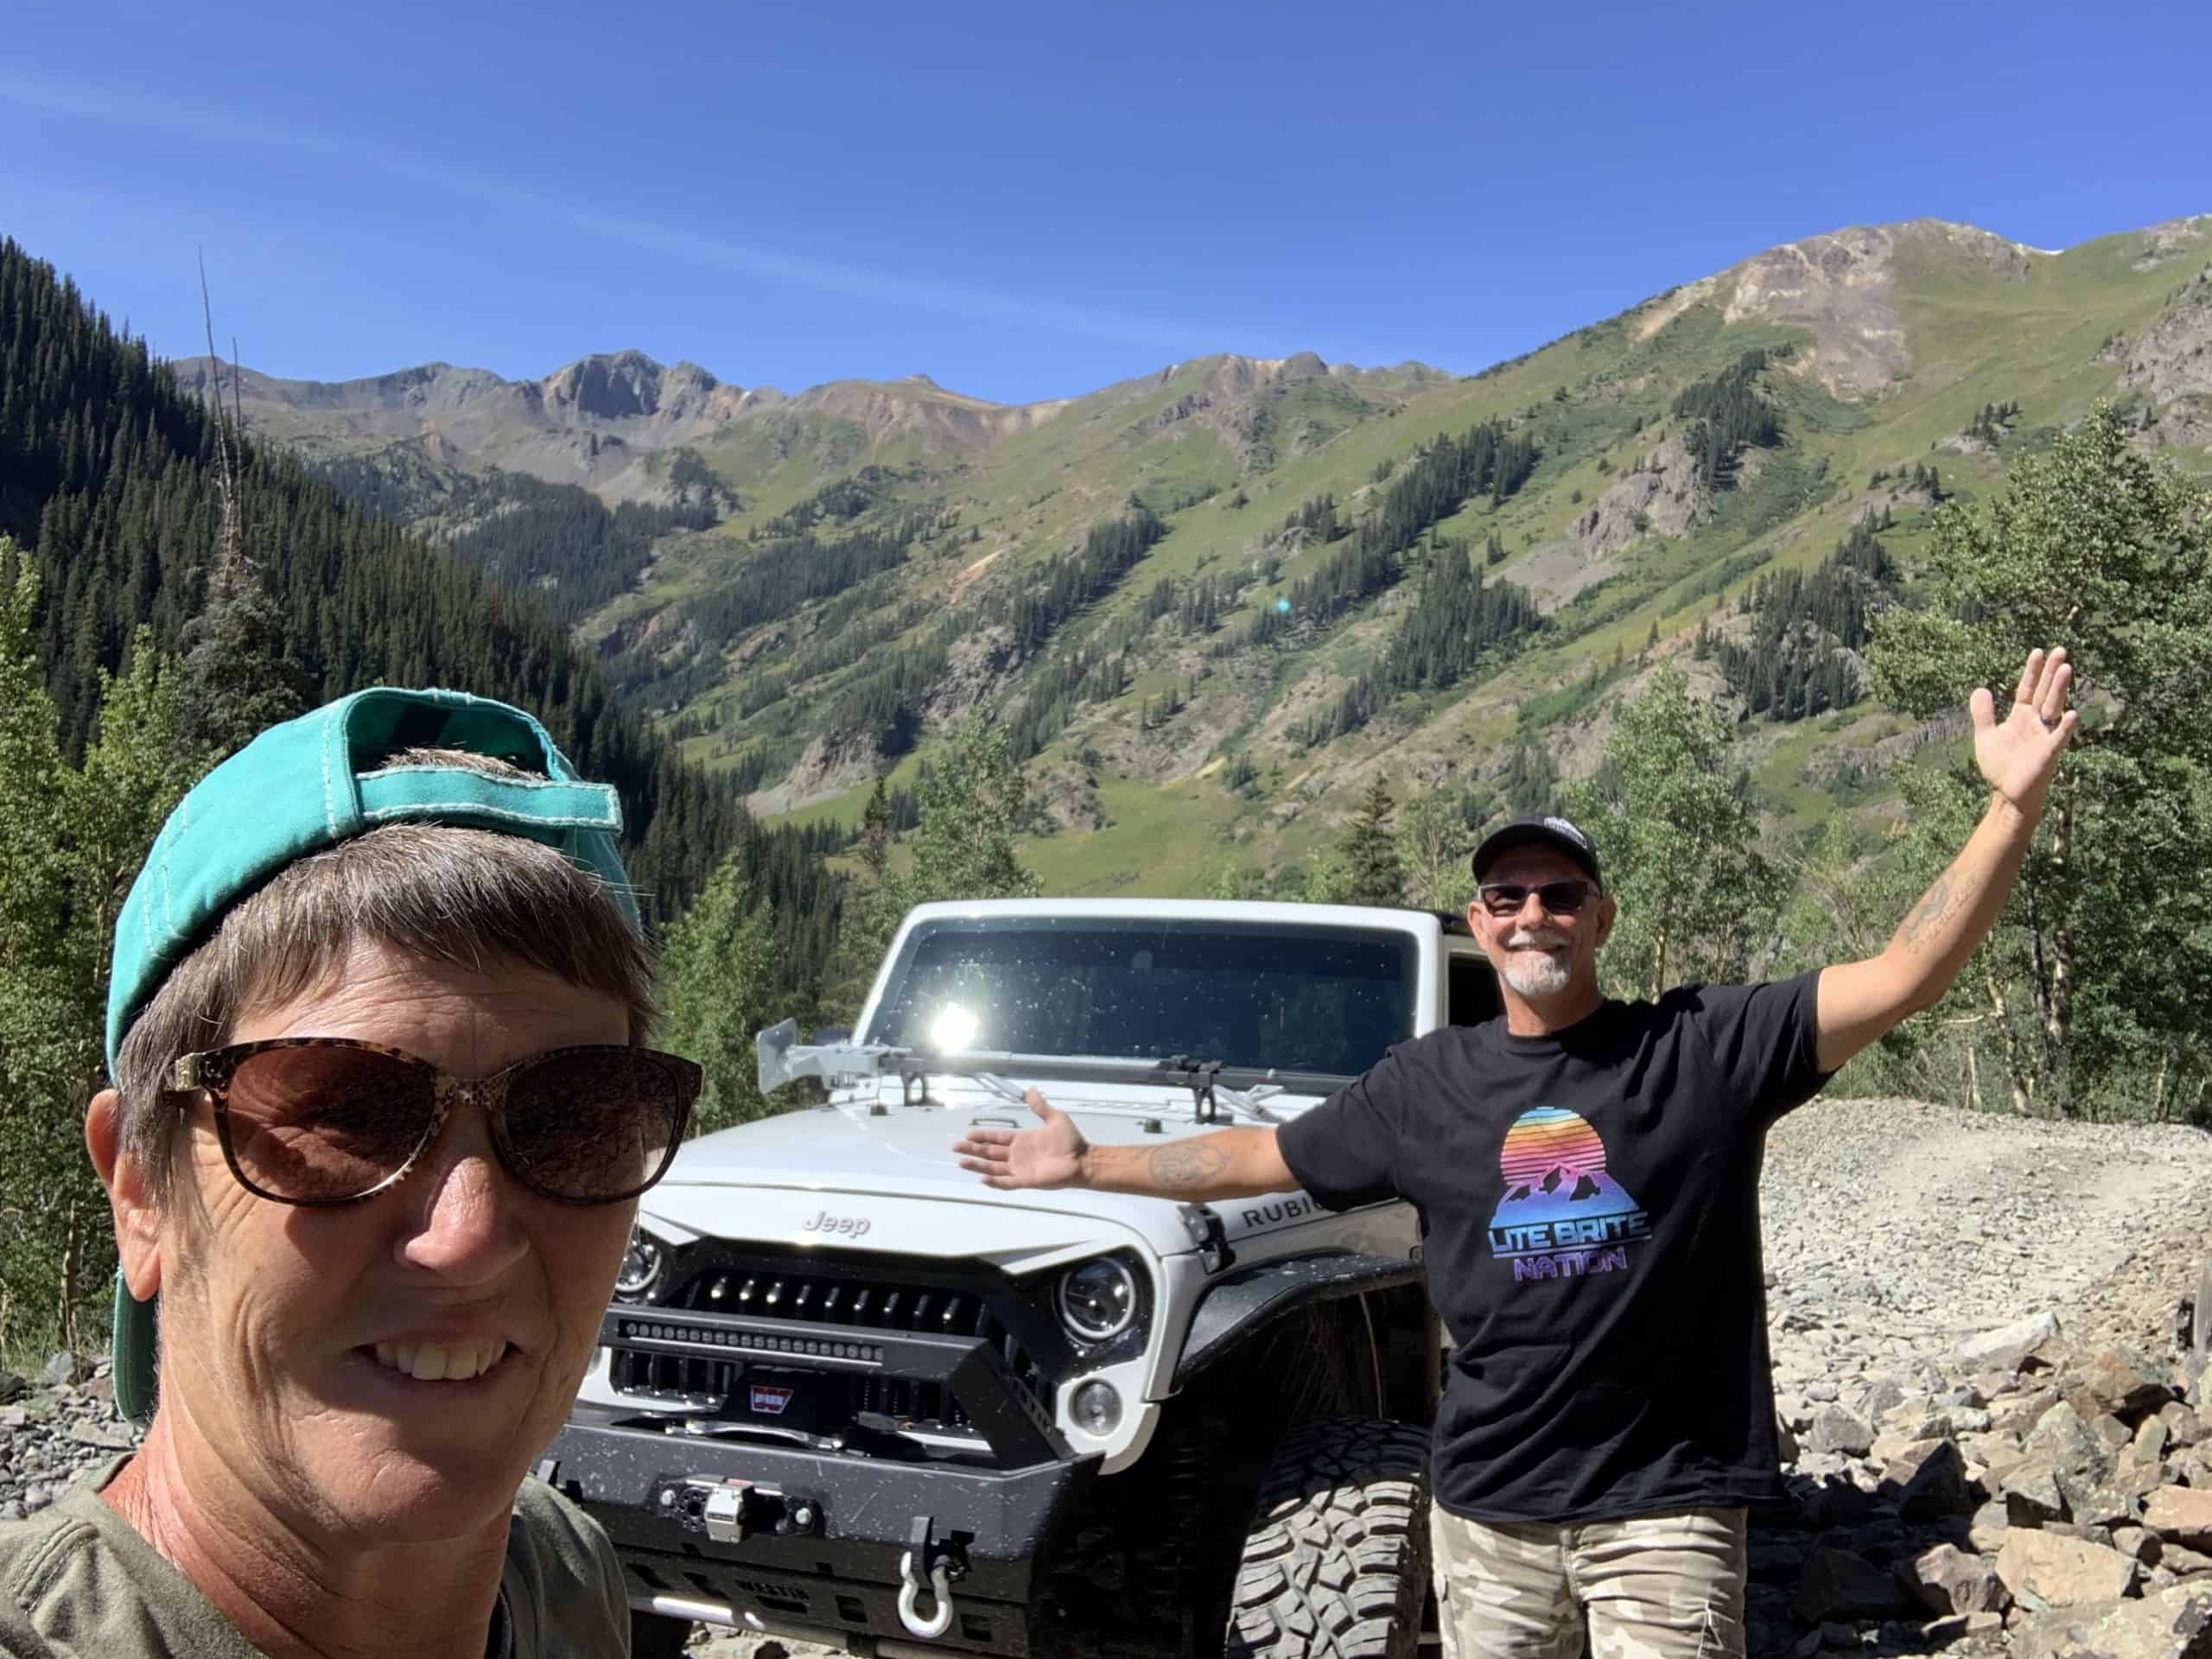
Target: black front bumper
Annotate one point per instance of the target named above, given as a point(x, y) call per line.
point(808, 1537)
point(839, 1572)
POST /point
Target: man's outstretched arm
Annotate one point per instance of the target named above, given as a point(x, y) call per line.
point(1860, 1000)
point(1239, 1163)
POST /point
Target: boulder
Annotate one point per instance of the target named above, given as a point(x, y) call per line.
point(61, 1370)
point(2101, 1536)
point(1997, 1455)
point(2137, 1475)
point(2032, 1496)
point(2140, 1542)
point(2043, 1569)
point(2068, 1445)
point(1986, 1530)
point(2010, 1346)
point(2109, 1429)
point(2184, 1426)
point(1931, 1481)
point(1834, 1429)
point(1947, 1580)
point(2184, 1563)
point(1888, 1448)
point(2123, 1383)
point(1884, 1393)
point(2180, 1515)
point(1838, 1585)
point(2016, 1414)
point(2175, 1623)
point(2098, 1502)
point(11, 1386)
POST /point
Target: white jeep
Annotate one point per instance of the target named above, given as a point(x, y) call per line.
point(848, 1394)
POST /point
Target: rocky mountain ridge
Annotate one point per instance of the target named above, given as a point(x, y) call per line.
point(1879, 354)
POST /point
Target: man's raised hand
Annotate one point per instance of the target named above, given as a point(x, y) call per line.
point(2018, 755)
point(1047, 1156)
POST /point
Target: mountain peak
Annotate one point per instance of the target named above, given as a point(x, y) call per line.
point(625, 385)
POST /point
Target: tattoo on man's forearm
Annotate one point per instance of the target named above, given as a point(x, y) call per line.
point(1181, 1167)
point(1930, 912)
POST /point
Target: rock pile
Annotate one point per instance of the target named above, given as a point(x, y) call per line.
point(2018, 1495)
point(53, 1431)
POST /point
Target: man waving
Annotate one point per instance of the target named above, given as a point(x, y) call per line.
point(1587, 1173)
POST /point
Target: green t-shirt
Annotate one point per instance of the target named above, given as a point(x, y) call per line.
point(77, 1582)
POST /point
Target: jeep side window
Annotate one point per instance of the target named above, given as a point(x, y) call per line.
point(1471, 992)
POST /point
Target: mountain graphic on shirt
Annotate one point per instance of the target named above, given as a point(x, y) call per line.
point(1555, 1169)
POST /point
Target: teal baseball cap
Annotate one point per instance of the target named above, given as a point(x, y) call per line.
point(308, 785)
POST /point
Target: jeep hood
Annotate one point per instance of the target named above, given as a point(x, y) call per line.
point(813, 1177)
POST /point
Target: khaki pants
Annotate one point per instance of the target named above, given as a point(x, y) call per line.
point(1658, 1586)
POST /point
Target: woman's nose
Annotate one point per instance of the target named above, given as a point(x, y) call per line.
point(465, 1222)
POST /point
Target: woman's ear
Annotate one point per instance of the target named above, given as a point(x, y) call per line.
point(129, 1196)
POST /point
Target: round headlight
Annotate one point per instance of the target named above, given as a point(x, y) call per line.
point(1097, 1299)
point(642, 1262)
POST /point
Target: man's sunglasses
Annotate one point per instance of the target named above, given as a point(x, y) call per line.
point(321, 1120)
point(1503, 899)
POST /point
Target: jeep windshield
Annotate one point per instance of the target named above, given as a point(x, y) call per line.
point(1252, 995)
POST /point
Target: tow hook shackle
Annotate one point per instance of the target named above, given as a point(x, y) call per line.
point(927, 1568)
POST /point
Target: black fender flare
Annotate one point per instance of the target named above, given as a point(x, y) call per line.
point(1239, 1303)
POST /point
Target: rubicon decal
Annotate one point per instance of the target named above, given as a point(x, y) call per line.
point(1261, 1215)
point(770, 1402)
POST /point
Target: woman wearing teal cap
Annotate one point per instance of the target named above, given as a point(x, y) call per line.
point(381, 1115)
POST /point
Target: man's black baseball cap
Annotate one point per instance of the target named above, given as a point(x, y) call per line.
point(1553, 832)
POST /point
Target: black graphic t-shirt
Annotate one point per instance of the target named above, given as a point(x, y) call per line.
point(1589, 1208)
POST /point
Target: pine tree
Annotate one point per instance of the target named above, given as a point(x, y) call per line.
point(718, 982)
point(242, 678)
point(1373, 873)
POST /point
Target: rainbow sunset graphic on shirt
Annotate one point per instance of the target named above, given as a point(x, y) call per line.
point(1562, 1215)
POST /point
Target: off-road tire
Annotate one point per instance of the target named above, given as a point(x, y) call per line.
point(1335, 1562)
point(655, 1635)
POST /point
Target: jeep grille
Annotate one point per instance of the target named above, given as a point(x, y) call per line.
point(833, 1403)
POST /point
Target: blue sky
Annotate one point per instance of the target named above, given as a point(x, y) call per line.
point(1027, 201)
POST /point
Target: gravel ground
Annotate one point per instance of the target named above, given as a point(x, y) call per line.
point(1893, 1230)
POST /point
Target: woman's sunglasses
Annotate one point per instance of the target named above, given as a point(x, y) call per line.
point(1503, 899)
point(329, 1120)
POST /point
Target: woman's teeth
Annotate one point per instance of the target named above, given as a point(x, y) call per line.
point(435, 1362)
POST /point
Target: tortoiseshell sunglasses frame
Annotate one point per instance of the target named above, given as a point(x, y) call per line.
point(211, 1072)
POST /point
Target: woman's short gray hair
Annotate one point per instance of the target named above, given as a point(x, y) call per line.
point(438, 892)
